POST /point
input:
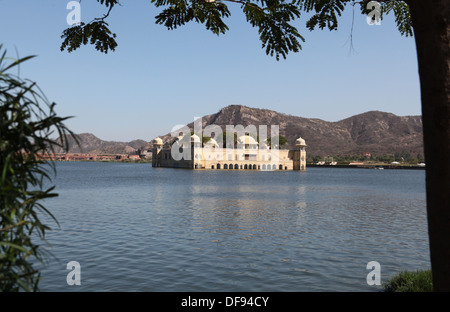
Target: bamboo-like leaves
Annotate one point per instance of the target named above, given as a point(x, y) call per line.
point(27, 122)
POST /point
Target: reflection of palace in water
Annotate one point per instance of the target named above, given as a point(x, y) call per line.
point(189, 152)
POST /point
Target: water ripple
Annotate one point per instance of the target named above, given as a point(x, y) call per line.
point(136, 228)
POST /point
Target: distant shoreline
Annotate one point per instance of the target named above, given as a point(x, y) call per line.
point(130, 161)
point(359, 166)
point(369, 166)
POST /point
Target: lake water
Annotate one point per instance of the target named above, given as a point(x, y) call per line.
point(137, 228)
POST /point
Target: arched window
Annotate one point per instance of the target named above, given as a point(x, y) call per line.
point(263, 167)
point(245, 166)
point(274, 167)
point(280, 167)
point(225, 166)
point(212, 166)
point(218, 166)
point(236, 166)
point(254, 167)
point(230, 166)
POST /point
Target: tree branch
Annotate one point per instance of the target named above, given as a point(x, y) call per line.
point(247, 3)
point(104, 16)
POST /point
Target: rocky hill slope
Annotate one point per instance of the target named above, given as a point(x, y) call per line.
point(89, 143)
point(375, 132)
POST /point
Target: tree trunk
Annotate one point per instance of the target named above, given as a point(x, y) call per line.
point(432, 35)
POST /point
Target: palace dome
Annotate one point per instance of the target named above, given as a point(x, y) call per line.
point(300, 142)
point(158, 141)
point(195, 139)
point(212, 143)
point(246, 139)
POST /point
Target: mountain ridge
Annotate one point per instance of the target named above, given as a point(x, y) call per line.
point(375, 132)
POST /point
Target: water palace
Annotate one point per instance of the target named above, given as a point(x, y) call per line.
point(246, 155)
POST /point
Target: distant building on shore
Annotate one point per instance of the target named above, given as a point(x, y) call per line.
point(86, 156)
point(189, 152)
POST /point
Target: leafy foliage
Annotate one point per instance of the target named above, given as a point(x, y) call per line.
point(402, 16)
point(326, 13)
point(181, 12)
point(277, 35)
point(25, 130)
point(108, 3)
point(273, 18)
point(406, 281)
point(96, 33)
point(281, 140)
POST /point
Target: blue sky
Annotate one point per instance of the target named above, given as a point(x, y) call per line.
point(159, 78)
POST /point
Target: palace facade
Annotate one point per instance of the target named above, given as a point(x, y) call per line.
point(189, 152)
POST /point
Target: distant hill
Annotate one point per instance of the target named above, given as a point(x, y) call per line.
point(373, 132)
point(89, 143)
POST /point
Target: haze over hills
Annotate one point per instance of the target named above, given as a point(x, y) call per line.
point(89, 143)
point(375, 132)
